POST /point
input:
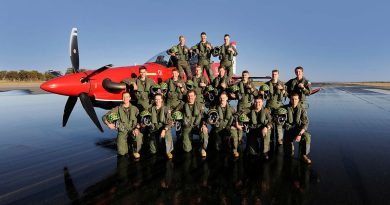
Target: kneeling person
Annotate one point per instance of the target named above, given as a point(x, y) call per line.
point(125, 117)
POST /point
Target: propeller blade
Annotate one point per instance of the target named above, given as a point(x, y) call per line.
point(68, 109)
point(96, 72)
point(88, 107)
point(74, 50)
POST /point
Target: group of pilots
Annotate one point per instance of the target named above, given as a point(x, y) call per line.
point(201, 106)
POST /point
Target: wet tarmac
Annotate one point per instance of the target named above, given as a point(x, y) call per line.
point(43, 163)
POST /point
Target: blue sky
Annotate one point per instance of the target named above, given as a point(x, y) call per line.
point(333, 40)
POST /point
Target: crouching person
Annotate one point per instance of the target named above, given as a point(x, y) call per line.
point(192, 124)
point(260, 128)
point(160, 129)
point(296, 129)
point(224, 130)
point(124, 118)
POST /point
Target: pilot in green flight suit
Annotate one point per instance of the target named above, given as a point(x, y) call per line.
point(247, 92)
point(142, 86)
point(221, 82)
point(299, 85)
point(124, 118)
point(204, 51)
point(200, 83)
point(226, 52)
point(176, 89)
point(160, 130)
point(193, 115)
point(260, 127)
point(276, 92)
point(296, 129)
point(182, 53)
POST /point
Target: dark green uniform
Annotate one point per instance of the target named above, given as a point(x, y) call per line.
point(193, 115)
point(174, 95)
point(126, 124)
point(143, 92)
point(204, 55)
point(223, 131)
point(182, 56)
point(296, 121)
point(275, 101)
point(199, 90)
point(246, 96)
point(226, 58)
point(258, 121)
point(161, 119)
point(292, 87)
point(217, 84)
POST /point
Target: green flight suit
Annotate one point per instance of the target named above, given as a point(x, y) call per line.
point(246, 96)
point(193, 115)
point(143, 92)
point(182, 57)
point(126, 124)
point(259, 120)
point(174, 95)
point(204, 55)
point(217, 84)
point(223, 132)
point(275, 101)
point(297, 120)
point(199, 90)
point(161, 119)
point(226, 58)
point(292, 87)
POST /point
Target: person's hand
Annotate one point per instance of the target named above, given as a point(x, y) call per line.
point(202, 84)
point(300, 85)
point(135, 132)
point(223, 85)
point(298, 138)
point(163, 132)
point(231, 50)
point(204, 129)
point(208, 46)
point(239, 126)
point(185, 50)
point(173, 54)
point(280, 87)
point(135, 86)
point(111, 126)
point(179, 85)
point(264, 131)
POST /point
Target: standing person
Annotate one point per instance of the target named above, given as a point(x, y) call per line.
point(142, 87)
point(221, 82)
point(261, 124)
point(176, 90)
point(200, 84)
point(226, 52)
point(182, 53)
point(296, 129)
point(247, 92)
point(204, 51)
point(224, 129)
point(193, 115)
point(161, 127)
point(299, 85)
point(277, 92)
point(125, 116)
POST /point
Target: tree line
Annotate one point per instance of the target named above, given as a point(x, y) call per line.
point(33, 75)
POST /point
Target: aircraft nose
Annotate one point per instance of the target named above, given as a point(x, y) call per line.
point(68, 85)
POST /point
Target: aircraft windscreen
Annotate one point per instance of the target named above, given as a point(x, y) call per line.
point(161, 58)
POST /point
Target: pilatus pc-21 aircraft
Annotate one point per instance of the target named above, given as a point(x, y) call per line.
point(103, 87)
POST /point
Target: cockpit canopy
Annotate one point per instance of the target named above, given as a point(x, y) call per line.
point(164, 59)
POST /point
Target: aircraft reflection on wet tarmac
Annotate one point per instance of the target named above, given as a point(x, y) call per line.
point(350, 129)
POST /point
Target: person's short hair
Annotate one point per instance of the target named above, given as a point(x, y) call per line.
point(275, 71)
point(223, 93)
point(294, 94)
point(159, 94)
point(226, 35)
point(259, 97)
point(141, 68)
point(125, 93)
point(245, 71)
point(221, 67)
point(298, 68)
point(181, 36)
point(198, 66)
point(203, 33)
point(175, 70)
point(191, 91)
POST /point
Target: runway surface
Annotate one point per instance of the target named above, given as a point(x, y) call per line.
point(43, 163)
